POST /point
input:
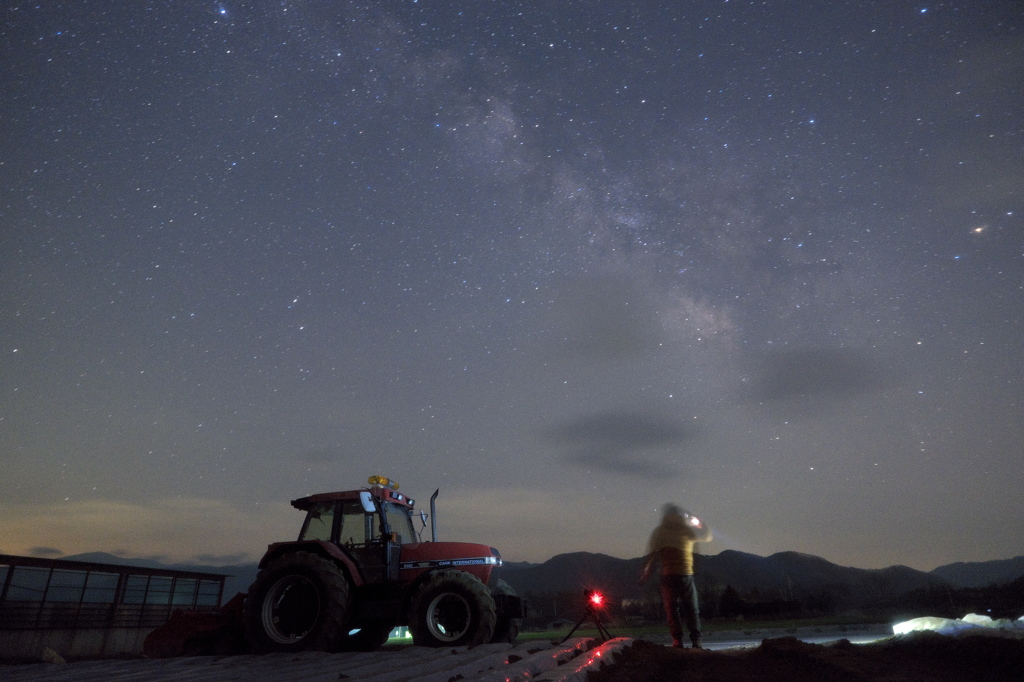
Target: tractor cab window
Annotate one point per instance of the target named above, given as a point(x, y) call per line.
point(357, 527)
point(319, 522)
point(401, 522)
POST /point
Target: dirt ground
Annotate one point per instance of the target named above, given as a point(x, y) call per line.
point(918, 657)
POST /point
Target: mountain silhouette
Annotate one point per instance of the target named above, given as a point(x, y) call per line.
point(982, 573)
point(786, 575)
point(790, 575)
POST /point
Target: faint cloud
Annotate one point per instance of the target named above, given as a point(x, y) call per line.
point(165, 530)
point(834, 373)
point(48, 552)
point(620, 442)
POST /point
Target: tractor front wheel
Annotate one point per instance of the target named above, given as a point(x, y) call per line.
point(506, 628)
point(452, 608)
point(299, 602)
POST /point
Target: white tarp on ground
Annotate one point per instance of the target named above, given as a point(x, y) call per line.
point(972, 624)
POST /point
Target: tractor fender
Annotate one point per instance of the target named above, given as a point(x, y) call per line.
point(327, 550)
point(420, 558)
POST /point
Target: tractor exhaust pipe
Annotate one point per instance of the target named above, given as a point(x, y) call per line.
point(433, 516)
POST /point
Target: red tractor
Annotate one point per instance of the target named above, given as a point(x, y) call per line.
point(358, 569)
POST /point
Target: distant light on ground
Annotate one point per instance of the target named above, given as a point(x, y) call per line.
point(971, 623)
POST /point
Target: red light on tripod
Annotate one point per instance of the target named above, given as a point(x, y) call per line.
point(596, 599)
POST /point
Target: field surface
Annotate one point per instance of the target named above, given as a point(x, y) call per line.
point(864, 654)
point(918, 657)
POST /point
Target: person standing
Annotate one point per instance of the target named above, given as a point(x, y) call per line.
point(671, 545)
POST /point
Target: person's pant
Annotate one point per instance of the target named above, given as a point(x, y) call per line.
point(679, 593)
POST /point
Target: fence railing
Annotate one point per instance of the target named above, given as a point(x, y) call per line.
point(46, 594)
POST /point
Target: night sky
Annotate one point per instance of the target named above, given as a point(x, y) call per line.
point(566, 260)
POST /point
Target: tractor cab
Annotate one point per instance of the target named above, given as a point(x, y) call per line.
point(370, 525)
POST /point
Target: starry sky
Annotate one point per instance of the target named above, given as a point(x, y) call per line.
point(566, 260)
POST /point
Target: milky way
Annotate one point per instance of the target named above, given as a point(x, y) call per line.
point(566, 261)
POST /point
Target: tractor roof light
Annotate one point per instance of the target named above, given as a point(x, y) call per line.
point(382, 481)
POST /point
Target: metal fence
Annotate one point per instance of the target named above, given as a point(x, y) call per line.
point(49, 594)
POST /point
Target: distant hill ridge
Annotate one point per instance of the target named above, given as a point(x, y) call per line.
point(788, 573)
point(982, 573)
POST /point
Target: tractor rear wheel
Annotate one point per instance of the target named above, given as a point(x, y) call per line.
point(299, 602)
point(451, 608)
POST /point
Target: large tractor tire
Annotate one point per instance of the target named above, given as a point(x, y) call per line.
point(299, 602)
point(451, 608)
point(506, 628)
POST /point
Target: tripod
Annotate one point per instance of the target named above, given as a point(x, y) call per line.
point(593, 601)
